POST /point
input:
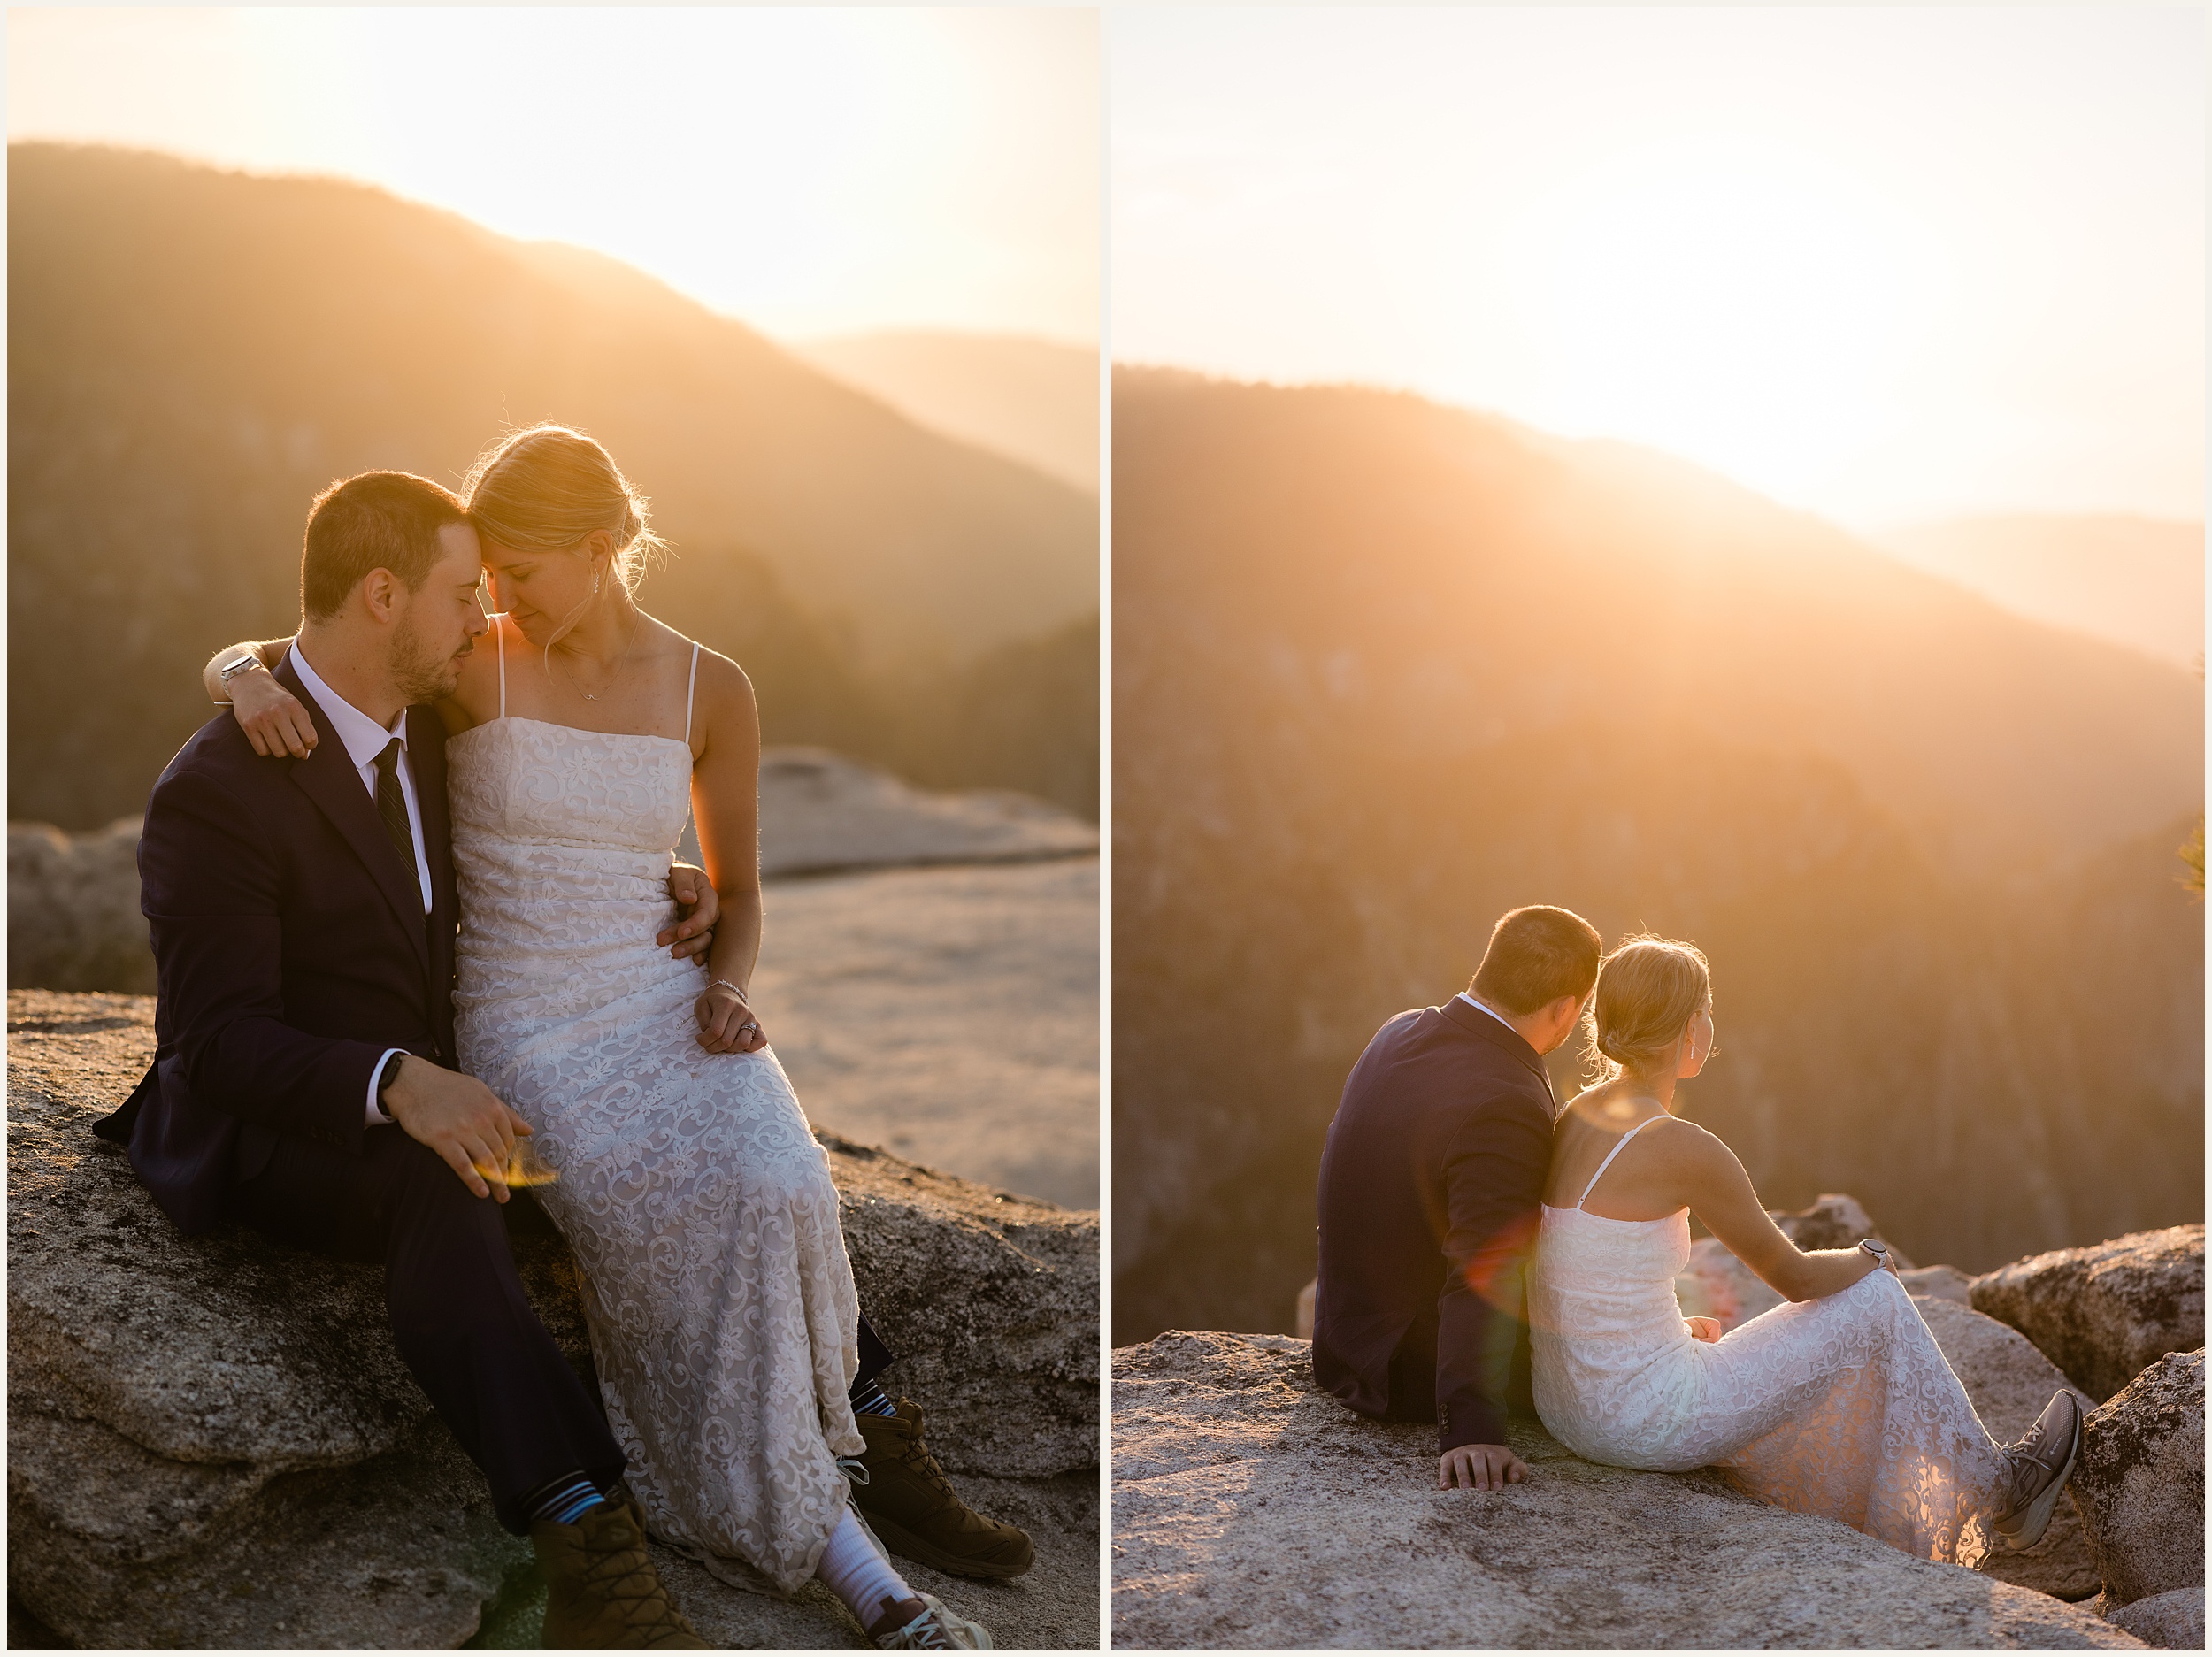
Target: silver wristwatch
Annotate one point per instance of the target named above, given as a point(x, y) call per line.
point(237, 664)
point(1876, 1249)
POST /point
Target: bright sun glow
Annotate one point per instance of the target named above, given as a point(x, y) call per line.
point(1749, 313)
point(810, 170)
point(1878, 262)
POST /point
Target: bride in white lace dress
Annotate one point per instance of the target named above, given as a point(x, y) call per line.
point(700, 1206)
point(1838, 1403)
point(720, 1299)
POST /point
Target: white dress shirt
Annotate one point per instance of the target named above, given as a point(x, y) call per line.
point(363, 739)
point(1492, 1012)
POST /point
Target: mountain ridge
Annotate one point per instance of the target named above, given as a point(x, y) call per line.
point(1384, 669)
point(195, 353)
point(1033, 400)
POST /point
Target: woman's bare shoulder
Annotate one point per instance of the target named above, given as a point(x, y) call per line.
point(1687, 1145)
point(722, 681)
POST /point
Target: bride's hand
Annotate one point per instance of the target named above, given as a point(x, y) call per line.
point(271, 717)
point(727, 1024)
point(1704, 1328)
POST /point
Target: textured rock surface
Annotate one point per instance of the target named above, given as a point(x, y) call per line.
point(72, 909)
point(820, 810)
point(948, 1015)
point(1250, 1510)
point(213, 1442)
point(1833, 1221)
point(2010, 1382)
point(2172, 1621)
point(1054, 1606)
point(1938, 1283)
point(2104, 1313)
point(2140, 1482)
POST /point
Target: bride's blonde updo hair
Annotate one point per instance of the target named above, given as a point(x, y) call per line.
point(1647, 992)
point(544, 489)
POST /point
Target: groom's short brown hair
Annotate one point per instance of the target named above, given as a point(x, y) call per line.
point(374, 520)
point(1536, 955)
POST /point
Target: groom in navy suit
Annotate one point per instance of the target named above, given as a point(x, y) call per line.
point(1431, 1185)
point(302, 915)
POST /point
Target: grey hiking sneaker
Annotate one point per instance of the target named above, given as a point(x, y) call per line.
point(2036, 1473)
point(936, 1628)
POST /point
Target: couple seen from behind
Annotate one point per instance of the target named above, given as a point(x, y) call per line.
point(414, 906)
point(1485, 1249)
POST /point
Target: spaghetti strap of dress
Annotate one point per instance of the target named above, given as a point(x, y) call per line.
point(501, 635)
point(691, 691)
point(1610, 1154)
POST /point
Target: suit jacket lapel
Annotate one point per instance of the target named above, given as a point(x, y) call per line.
point(327, 777)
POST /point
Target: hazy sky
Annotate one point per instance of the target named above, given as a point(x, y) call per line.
point(809, 171)
point(1878, 262)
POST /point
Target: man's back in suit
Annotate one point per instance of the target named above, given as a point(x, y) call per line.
point(1429, 1185)
point(1432, 1184)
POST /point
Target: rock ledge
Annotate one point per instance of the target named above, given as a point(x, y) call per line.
point(1251, 1510)
point(213, 1442)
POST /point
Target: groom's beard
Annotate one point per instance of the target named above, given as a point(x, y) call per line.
point(421, 673)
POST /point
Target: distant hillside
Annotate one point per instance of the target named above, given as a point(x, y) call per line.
point(194, 353)
point(2137, 581)
point(1384, 670)
point(1033, 400)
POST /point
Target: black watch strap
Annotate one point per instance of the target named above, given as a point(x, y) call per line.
point(387, 1076)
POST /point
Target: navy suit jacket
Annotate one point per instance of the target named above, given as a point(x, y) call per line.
point(1431, 1183)
point(291, 951)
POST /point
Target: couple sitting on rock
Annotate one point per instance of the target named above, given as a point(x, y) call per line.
point(409, 903)
point(1483, 1249)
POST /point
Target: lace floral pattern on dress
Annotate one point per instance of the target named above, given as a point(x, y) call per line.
point(1843, 1406)
point(716, 1282)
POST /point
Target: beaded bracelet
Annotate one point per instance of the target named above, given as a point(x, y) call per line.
point(724, 983)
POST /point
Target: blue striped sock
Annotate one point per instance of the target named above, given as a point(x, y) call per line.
point(566, 1500)
point(868, 1400)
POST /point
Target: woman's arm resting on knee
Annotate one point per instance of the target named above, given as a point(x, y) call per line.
point(272, 717)
point(1719, 1194)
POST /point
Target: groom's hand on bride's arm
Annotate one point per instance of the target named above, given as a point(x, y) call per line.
point(700, 906)
point(1479, 1467)
point(458, 1117)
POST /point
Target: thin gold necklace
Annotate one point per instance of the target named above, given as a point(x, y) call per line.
point(617, 674)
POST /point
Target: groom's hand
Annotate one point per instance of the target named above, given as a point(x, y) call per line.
point(458, 1117)
point(693, 934)
point(1479, 1467)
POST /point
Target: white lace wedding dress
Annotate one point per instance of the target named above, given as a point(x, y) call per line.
point(1843, 1406)
point(715, 1284)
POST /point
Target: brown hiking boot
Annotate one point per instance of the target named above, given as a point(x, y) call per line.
point(907, 1502)
point(601, 1591)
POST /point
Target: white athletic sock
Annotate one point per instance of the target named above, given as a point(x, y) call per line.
point(855, 1572)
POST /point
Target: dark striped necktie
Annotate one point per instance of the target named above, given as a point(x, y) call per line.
point(391, 805)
